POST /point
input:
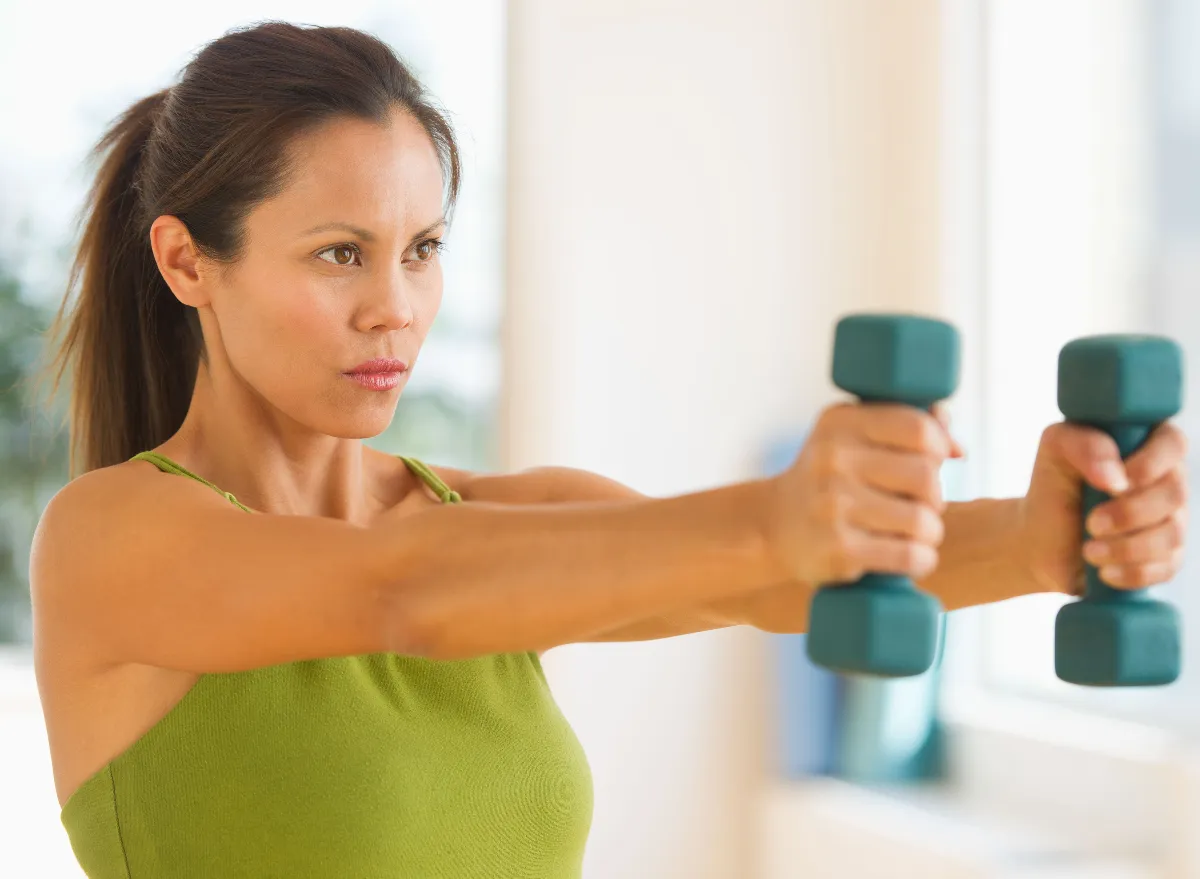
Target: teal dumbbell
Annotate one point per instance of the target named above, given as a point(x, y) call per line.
point(882, 625)
point(1124, 385)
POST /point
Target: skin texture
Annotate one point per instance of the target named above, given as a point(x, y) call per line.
point(347, 552)
point(273, 419)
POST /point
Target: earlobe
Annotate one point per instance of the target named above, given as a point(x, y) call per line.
point(178, 260)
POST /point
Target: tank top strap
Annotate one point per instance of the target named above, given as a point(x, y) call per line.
point(166, 465)
point(445, 493)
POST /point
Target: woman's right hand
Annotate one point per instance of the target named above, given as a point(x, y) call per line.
point(863, 495)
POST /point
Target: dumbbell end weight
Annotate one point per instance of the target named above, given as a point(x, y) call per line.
point(1118, 642)
point(880, 626)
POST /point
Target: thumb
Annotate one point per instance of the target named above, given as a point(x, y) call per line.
point(1090, 453)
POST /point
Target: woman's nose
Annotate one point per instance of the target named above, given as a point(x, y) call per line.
point(391, 307)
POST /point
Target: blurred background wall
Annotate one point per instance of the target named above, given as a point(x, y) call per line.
point(667, 205)
point(696, 191)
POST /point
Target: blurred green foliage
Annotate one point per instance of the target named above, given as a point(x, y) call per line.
point(33, 451)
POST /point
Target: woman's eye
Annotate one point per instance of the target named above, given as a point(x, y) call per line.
point(428, 249)
point(343, 254)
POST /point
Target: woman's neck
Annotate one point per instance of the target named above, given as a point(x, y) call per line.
point(271, 463)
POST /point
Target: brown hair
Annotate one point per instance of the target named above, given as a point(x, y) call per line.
point(207, 150)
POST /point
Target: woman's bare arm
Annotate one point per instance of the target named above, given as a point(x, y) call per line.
point(558, 485)
point(976, 561)
point(168, 573)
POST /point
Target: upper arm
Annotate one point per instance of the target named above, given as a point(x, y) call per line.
point(571, 485)
point(541, 485)
point(128, 566)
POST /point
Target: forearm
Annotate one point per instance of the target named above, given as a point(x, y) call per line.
point(979, 564)
point(979, 561)
point(482, 578)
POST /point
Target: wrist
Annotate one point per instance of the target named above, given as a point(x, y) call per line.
point(769, 495)
point(1029, 553)
point(983, 558)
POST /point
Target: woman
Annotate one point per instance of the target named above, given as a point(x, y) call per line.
point(306, 658)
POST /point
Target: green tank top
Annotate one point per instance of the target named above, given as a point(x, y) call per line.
point(360, 767)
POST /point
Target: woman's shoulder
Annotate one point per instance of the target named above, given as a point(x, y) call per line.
point(104, 487)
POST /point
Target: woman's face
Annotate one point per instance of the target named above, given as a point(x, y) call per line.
point(339, 269)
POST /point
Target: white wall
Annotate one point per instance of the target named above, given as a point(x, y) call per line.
point(697, 190)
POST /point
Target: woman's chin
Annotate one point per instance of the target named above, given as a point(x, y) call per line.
point(359, 422)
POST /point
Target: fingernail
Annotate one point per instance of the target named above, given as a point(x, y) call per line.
point(1095, 552)
point(1099, 524)
point(1113, 476)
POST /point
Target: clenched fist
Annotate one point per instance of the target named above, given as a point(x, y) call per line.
point(863, 495)
point(1137, 536)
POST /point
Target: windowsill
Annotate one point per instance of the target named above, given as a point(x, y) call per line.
point(1112, 786)
point(1035, 790)
point(827, 828)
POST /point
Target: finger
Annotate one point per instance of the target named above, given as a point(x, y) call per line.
point(1142, 576)
point(1140, 508)
point(1089, 452)
point(895, 555)
point(894, 426)
point(1154, 544)
point(1164, 450)
point(889, 516)
point(900, 473)
point(941, 412)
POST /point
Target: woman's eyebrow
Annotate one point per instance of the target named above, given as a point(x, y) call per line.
point(428, 230)
point(366, 234)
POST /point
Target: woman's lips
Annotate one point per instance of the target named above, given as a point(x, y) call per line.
point(376, 381)
point(381, 374)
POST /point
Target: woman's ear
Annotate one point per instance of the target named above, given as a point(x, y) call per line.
point(179, 261)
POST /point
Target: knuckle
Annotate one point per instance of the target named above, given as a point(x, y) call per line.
point(827, 458)
point(1178, 486)
point(1177, 529)
point(933, 530)
point(833, 505)
point(919, 559)
point(1134, 577)
point(932, 556)
point(843, 561)
point(1120, 551)
point(832, 418)
point(840, 460)
point(931, 483)
point(846, 570)
point(1120, 515)
point(1062, 438)
point(841, 544)
point(910, 556)
point(1174, 435)
point(1096, 444)
point(927, 433)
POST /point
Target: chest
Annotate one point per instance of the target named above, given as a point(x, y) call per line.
point(380, 765)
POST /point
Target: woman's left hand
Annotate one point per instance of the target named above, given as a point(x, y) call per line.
point(1137, 536)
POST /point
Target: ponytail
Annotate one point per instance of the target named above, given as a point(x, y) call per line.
point(130, 346)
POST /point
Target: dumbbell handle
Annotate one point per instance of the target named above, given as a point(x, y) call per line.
point(1129, 438)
